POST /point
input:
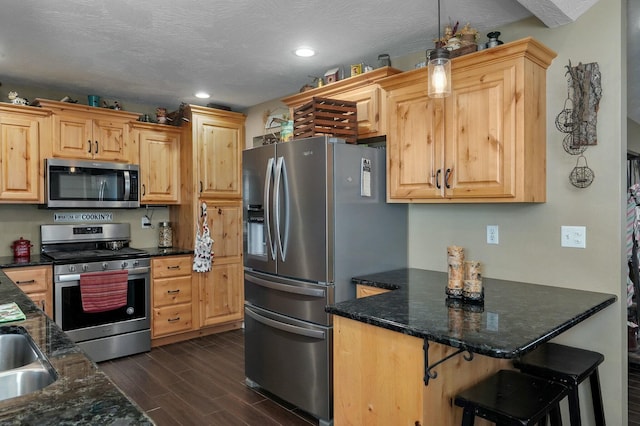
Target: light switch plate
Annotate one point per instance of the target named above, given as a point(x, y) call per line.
point(573, 236)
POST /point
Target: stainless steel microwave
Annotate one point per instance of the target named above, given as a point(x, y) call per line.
point(91, 184)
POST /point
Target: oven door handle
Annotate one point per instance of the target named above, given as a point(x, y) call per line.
point(63, 278)
point(285, 327)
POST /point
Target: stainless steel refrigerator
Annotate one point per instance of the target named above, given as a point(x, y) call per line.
point(314, 216)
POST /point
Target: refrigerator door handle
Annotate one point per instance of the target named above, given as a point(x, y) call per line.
point(286, 327)
point(285, 288)
point(267, 211)
point(283, 238)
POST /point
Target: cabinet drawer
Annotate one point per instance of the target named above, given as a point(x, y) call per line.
point(172, 319)
point(171, 291)
point(171, 266)
point(29, 279)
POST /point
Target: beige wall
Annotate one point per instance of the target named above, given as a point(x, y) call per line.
point(24, 221)
point(529, 248)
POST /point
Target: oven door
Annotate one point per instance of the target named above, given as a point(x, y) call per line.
point(82, 326)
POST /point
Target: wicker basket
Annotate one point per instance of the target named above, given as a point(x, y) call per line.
point(323, 116)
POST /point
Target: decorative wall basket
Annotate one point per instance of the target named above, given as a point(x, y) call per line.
point(581, 176)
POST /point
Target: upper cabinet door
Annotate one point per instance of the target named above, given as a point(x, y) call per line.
point(20, 178)
point(219, 158)
point(415, 145)
point(109, 142)
point(159, 163)
point(72, 136)
point(481, 134)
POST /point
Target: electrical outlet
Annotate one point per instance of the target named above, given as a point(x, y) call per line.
point(573, 236)
point(146, 222)
point(492, 234)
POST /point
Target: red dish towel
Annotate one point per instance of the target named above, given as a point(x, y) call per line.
point(103, 291)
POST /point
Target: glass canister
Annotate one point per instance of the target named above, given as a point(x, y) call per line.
point(165, 235)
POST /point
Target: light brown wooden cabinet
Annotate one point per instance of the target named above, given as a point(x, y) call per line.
point(484, 143)
point(362, 89)
point(22, 129)
point(219, 139)
point(379, 377)
point(222, 288)
point(159, 149)
point(36, 282)
point(367, 290)
point(171, 295)
point(89, 133)
point(210, 172)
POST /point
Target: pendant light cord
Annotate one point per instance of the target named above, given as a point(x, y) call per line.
point(439, 27)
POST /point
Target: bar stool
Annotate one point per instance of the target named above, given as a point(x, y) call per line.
point(512, 398)
point(569, 366)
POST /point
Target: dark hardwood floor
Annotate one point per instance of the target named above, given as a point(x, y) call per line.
point(199, 382)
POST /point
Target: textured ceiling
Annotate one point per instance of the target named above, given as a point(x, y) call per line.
point(161, 52)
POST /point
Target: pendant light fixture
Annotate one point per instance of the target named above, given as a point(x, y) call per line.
point(439, 68)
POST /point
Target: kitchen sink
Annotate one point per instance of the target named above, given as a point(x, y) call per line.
point(23, 367)
point(16, 350)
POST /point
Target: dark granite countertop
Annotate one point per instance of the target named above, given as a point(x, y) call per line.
point(515, 317)
point(83, 394)
point(173, 251)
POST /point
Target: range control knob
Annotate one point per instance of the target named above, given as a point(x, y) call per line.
point(105, 265)
point(136, 263)
point(72, 268)
point(124, 265)
point(85, 267)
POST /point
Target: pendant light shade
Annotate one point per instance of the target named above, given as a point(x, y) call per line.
point(439, 69)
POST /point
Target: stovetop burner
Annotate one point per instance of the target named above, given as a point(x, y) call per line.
point(82, 243)
point(94, 255)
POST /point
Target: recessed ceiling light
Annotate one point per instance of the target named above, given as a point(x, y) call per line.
point(203, 95)
point(304, 52)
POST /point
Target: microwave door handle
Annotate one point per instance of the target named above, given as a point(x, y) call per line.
point(268, 177)
point(127, 184)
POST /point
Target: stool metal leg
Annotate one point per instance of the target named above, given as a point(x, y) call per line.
point(596, 395)
point(556, 417)
point(574, 407)
point(468, 416)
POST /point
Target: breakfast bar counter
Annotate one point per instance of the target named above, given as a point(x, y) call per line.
point(403, 355)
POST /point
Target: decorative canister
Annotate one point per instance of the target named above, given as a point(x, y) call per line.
point(455, 265)
point(165, 235)
point(472, 288)
point(21, 248)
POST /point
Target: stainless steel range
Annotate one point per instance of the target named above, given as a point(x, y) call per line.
point(86, 257)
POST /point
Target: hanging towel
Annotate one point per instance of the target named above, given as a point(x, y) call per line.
point(103, 291)
point(203, 250)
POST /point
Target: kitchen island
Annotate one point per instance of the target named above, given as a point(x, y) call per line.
point(400, 357)
point(82, 394)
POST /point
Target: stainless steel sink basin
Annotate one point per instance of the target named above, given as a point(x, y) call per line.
point(16, 351)
point(23, 381)
point(23, 367)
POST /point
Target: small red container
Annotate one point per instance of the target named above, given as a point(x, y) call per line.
point(21, 248)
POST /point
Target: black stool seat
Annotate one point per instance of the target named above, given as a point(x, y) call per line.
point(570, 366)
point(512, 398)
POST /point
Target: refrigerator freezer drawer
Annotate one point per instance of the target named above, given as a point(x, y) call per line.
point(303, 300)
point(291, 359)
